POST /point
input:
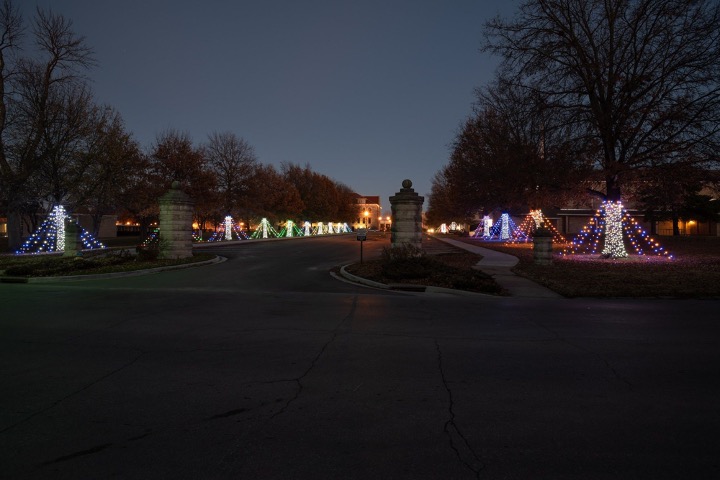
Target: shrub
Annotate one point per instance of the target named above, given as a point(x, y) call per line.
point(147, 254)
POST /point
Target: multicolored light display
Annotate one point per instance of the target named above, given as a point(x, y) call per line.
point(483, 228)
point(614, 229)
point(226, 231)
point(264, 230)
point(534, 220)
point(290, 230)
point(153, 238)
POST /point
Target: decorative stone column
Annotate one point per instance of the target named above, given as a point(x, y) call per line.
point(542, 246)
point(176, 212)
point(406, 207)
point(73, 245)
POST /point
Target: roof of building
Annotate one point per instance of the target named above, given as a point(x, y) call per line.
point(370, 198)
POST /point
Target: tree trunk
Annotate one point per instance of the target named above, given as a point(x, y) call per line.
point(96, 221)
point(14, 228)
point(613, 192)
point(675, 223)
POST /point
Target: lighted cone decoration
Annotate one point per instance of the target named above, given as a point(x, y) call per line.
point(320, 229)
point(50, 235)
point(505, 230)
point(483, 228)
point(226, 231)
point(290, 230)
point(535, 220)
point(265, 230)
point(608, 232)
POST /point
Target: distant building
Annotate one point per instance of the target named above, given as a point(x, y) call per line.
point(369, 213)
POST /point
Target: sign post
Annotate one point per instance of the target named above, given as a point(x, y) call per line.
point(361, 237)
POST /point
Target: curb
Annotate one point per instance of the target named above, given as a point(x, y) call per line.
point(101, 276)
point(409, 288)
point(360, 280)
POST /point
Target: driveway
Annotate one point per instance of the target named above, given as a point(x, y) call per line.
point(265, 366)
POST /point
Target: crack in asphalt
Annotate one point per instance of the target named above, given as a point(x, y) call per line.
point(582, 348)
point(82, 453)
point(72, 394)
point(299, 379)
point(451, 429)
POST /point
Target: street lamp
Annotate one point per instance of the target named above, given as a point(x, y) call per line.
point(366, 214)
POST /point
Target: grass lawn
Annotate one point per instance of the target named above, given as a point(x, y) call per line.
point(694, 272)
point(95, 262)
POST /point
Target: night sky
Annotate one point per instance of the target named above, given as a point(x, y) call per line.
point(367, 92)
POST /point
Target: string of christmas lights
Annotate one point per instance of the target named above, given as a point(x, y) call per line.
point(50, 235)
point(226, 230)
point(264, 230)
point(319, 229)
point(290, 230)
point(612, 227)
point(532, 222)
point(483, 228)
point(505, 229)
point(152, 240)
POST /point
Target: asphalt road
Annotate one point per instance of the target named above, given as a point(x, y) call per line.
point(265, 366)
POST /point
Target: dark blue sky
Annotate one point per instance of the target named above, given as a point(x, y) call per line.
point(367, 92)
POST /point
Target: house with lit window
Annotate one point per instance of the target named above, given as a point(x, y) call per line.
point(369, 213)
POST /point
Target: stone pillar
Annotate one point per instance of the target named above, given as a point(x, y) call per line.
point(542, 246)
point(176, 212)
point(73, 245)
point(406, 207)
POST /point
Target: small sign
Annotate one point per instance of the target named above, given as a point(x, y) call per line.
point(362, 234)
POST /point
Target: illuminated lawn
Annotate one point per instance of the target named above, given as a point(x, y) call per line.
point(693, 273)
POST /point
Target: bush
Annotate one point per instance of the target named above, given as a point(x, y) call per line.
point(147, 254)
point(404, 262)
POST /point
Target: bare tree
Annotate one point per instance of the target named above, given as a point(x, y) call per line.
point(110, 162)
point(29, 87)
point(505, 158)
point(63, 144)
point(633, 81)
point(232, 159)
point(175, 157)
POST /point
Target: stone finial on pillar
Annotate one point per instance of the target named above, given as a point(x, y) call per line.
point(406, 207)
point(176, 212)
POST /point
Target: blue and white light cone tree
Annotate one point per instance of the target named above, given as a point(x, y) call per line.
point(50, 236)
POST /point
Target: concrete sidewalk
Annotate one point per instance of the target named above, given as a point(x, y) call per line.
point(499, 265)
